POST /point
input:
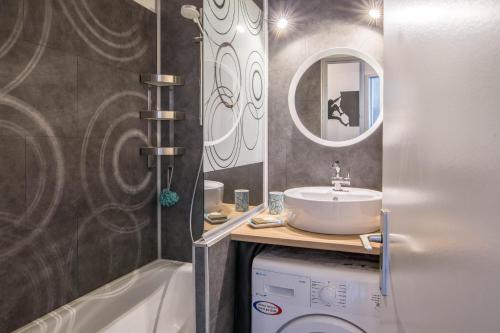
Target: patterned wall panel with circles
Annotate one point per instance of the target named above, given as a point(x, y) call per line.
point(234, 86)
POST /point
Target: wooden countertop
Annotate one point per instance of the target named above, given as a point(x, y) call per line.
point(289, 236)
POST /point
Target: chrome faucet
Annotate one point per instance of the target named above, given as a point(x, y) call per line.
point(337, 180)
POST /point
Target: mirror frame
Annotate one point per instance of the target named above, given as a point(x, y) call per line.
point(305, 66)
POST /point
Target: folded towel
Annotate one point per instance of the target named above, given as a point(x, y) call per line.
point(265, 220)
point(215, 221)
point(217, 216)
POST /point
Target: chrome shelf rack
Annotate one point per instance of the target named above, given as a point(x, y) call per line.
point(163, 151)
point(161, 115)
point(162, 80)
point(158, 81)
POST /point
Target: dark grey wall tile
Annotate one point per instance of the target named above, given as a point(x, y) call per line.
point(37, 270)
point(108, 100)
point(293, 159)
point(199, 268)
point(181, 56)
point(256, 176)
point(13, 173)
point(308, 99)
point(363, 161)
point(242, 177)
point(221, 279)
point(11, 15)
point(108, 249)
point(128, 186)
point(38, 262)
point(288, 50)
point(223, 322)
point(47, 83)
point(75, 188)
point(52, 181)
point(118, 201)
point(116, 32)
point(277, 158)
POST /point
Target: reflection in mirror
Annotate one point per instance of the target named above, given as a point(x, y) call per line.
point(338, 97)
point(233, 110)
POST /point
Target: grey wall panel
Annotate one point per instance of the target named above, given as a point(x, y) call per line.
point(71, 218)
point(221, 279)
point(118, 33)
point(111, 173)
point(200, 288)
point(181, 56)
point(308, 99)
point(241, 177)
point(294, 160)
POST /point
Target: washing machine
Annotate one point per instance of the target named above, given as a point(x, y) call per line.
point(301, 291)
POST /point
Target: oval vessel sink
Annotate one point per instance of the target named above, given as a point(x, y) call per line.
point(322, 210)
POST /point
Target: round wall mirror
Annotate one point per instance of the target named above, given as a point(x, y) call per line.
point(336, 97)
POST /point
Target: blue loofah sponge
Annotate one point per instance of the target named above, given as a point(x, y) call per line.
point(168, 198)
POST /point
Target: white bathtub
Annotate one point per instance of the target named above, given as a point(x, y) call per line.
point(155, 298)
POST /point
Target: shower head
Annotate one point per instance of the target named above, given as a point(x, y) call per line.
point(191, 13)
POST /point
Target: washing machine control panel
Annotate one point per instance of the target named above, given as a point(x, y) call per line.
point(345, 295)
point(328, 295)
point(324, 293)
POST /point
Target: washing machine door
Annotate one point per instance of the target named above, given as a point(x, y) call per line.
point(319, 324)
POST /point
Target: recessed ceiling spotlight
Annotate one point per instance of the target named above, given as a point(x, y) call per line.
point(284, 20)
point(375, 13)
point(282, 23)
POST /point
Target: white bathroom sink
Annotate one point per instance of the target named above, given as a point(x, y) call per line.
point(214, 192)
point(322, 210)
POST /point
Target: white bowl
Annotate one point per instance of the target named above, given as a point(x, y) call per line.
point(322, 210)
point(214, 192)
